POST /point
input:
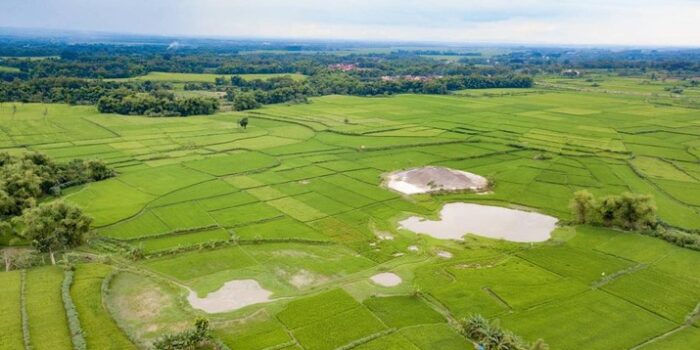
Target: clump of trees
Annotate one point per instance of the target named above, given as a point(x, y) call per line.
point(490, 336)
point(629, 211)
point(49, 227)
point(156, 103)
point(26, 178)
point(186, 340)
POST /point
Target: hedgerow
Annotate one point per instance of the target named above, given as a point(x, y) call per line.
point(76, 330)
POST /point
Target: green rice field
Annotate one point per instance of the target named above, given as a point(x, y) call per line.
point(295, 202)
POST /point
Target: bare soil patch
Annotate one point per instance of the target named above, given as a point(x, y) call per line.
point(435, 179)
point(386, 279)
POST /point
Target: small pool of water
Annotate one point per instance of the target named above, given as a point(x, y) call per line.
point(458, 219)
point(232, 296)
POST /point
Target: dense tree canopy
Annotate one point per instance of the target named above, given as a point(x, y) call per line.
point(54, 226)
point(24, 179)
point(630, 211)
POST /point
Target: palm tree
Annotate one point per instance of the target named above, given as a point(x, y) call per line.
point(476, 327)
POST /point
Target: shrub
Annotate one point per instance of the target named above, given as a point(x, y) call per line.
point(76, 330)
point(186, 340)
point(492, 337)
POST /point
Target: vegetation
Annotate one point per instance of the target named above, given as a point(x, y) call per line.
point(55, 226)
point(491, 337)
point(156, 104)
point(186, 340)
point(27, 178)
point(290, 195)
point(76, 331)
point(629, 211)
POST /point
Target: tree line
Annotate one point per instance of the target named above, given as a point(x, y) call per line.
point(142, 98)
point(251, 94)
point(155, 103)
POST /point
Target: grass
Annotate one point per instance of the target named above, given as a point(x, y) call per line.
point(191, 265)
point(11, 335)
point(403, 311)
point(260, 332)
point(183, 240)
point(48, 325)
point(101, 331)
point(310, 310)
point(435, 337)
point(338, 330)
point(145, 307)
point(597, 312)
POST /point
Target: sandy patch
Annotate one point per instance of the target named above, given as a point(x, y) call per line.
point(305, 278)
point(445, 255)
point(458, 219)
point(384, 236)
point(434, 179)
point(386, 279)
point(232, 296)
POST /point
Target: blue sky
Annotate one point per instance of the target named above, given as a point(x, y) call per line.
point(628, 22)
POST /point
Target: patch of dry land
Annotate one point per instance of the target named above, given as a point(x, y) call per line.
point(435, 179)
point(458, 219)
point(232, 296)
point(386, 279)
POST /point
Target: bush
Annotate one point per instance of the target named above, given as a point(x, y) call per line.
point(186, 340)
point(76, 330)
point(492, 337)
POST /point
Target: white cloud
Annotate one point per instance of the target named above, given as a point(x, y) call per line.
point(633, 22)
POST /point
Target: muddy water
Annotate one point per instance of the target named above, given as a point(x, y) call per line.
point(458, 219)
point(232, 296)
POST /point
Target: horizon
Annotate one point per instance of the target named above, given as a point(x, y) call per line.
point(623, 23)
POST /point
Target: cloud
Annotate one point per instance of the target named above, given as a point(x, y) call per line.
point(638, 22)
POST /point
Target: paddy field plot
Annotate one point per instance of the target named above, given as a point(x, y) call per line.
point(296, 202)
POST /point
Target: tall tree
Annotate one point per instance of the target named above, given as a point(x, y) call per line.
point(55, 226)
point(582, 206)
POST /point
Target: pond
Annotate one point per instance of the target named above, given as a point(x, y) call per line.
point(232, 296)
point(458, 219)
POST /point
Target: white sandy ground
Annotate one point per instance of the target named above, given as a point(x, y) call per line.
point(386, 279)
point(232, 296)
point(445, 255)
point(458, 219)
point(433, 179)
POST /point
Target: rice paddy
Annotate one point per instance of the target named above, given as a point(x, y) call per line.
point(295, 203)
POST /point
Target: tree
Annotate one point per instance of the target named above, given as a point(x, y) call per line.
point(19, 188)
point(636, 211)
point(582, 206)
point(55, 226)
point(243, 122)
point(629, 211)
point(607, 210)
point(97, 170)
point(245, 101)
